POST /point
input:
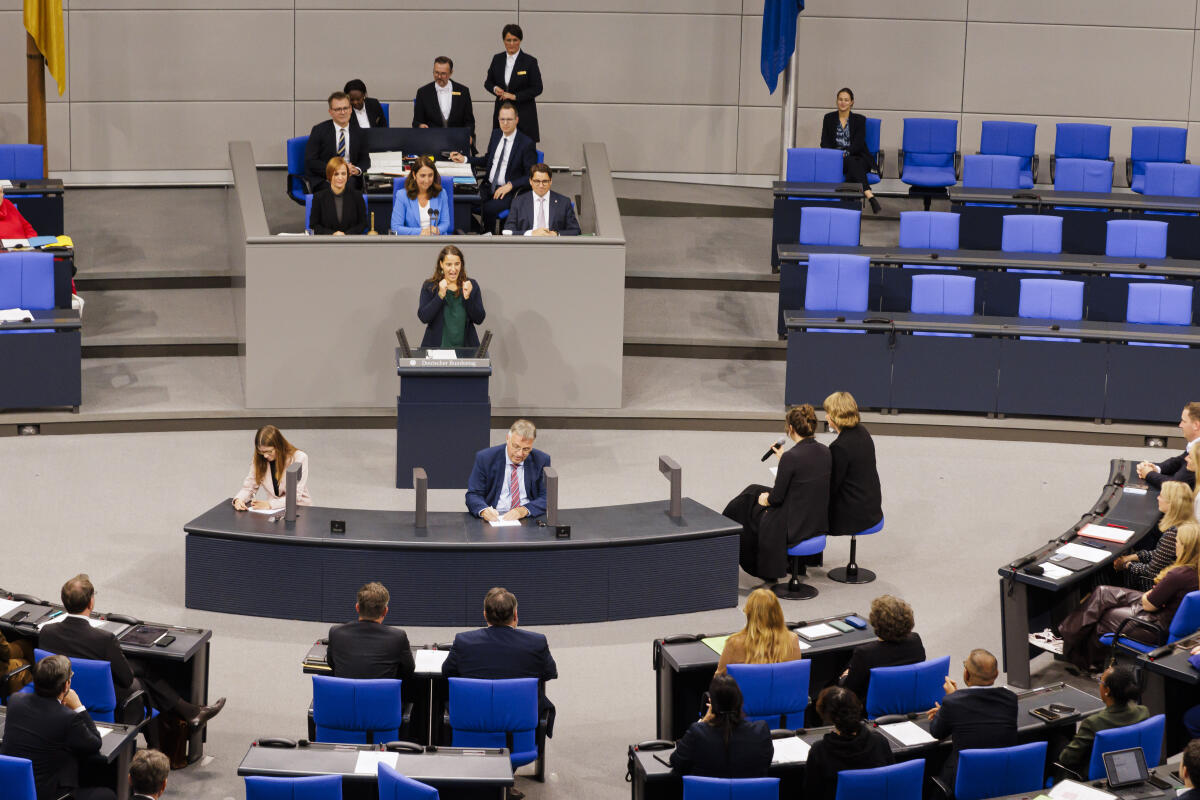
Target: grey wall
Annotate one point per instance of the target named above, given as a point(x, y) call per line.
point(165, 84)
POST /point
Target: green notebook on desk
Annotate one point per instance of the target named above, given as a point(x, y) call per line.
point(717, 643)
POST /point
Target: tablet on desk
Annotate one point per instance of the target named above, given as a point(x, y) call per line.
point(143, 635)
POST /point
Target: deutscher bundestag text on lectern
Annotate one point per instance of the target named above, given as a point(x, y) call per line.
point(443, 415)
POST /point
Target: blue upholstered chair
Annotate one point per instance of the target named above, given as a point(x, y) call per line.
point(1079, 140)
point(1159, 304)
point(16, 776)
point(1147, 734)
point(929, 155)
point(1172, 180)
point(852, 572)
point(943, 294)
point(794, 589)
point(357, 711)
point(316, 787)
point(1185, 622)
point(1045, 298)
point(1003, 138)
point(447, 186)
point(814, 165)
point(696, 787)
point(830, 226)
point(933, 230)
point(999, 771)
point(27, 280)
point(394, 786)
point(905, 689)
point(774, 693)
point(20, 162)
point(1031, 233)
point(991, 172)
point(894, 782)
point(387, 112)
point(872, 137)
point(1153, 144)
point(1083, 175)
point(501, 713)
point(1136, 238)
point(837, 282)
point(297, 183)
point(93, 682)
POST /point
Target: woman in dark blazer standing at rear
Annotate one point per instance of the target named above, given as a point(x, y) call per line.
point(846, 131)
point(855, 499)
point(796, 508)
point(514, 76)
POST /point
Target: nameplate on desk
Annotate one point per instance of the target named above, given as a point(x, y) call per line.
point(1106, 533)
point(444, 362)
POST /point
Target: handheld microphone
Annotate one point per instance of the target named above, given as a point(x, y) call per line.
point(434, 214)
point(771, 452)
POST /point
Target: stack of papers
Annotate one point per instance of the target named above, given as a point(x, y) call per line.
point(818, 631)
point(5, 184)
point(369, 761)
point(1070, 790)
point(909, 734)
point(441, 354)
point(9, 606)
point(1092, 554)
point(430, 661)
point(9, 244)
point(15, 315)
point(387, 163)
point(505, 523)
point(1106, 533)
point(452, 169)
point(717, 643)
point(1053, 571)
point(792, 750)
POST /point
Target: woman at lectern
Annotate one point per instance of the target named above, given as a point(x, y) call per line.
point(450, 305)
point(273, 454)
point(796, 508)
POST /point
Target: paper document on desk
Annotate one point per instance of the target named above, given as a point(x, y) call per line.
point(369, 761)
point(1053, 571)
point(791, 750)
point(15, 315)
point(390, 162)
point(267, 511)
point(42, 241)
point(909, 734)
point(5, 184)
point(1070, 790)
point(1133, 490)
point(441, 354)
point(9, 606)
point(452, 169)
point(818, 631)
point(716, 643)
point(95, 623)
point(1106, 533)
point(504, 523)
point(11, 243)
point(430, 661)
point(1092, 554)
point(103, 730)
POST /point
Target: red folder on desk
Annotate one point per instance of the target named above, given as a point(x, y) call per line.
point(1106, 533)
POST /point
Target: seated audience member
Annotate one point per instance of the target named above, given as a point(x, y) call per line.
point(846, 131)
point(542, 212)
point(12, 224)
point(444, 103)
point(273, 454)
point(422, 209)
point(1175, 468)
point(1108, 606)
point(1119, 691)
point(368, 649)
point(335, 137)
point(450, 305)
point(148, 774)
point(338, 209)
point(723, 743)
point(52, 729)
point(509, 157)
point(855, 501)
point(852, 744)
point(14, 655)
point(1189, 771)
point(507, 481)
point(979, 715)
point(1175, 501)
point(514, 77)
point(75, 637)
point(368, 113)
point(796, 508)
point(765, 639)
point(896, 645)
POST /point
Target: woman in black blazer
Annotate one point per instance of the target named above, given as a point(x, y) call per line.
point(723, 744)
point(338, 210)
point(852, 744)
point(855, 500)
point(450, 305)
point(795, 509)
point(896, 644)
point(846, 131)
point(521, 85)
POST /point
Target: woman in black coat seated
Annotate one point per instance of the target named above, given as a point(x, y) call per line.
point(896, 644)
point(450, 305)
point(846, 131)
point(852, 744)
point(339, 209)
point(855, 500)
point(796, 508)
point(723, 744)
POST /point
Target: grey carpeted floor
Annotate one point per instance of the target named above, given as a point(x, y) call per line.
point(114, 506)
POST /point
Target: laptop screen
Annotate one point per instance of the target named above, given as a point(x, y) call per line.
point(1126, 767)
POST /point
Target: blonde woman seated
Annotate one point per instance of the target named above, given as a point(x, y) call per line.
point(273, 454)
point(1175, 502)
point(765, 639)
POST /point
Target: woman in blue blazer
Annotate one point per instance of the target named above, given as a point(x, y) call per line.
point(423, 209)
point(450, 305)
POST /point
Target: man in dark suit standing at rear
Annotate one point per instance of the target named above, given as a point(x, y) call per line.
point(507, 481)
point(510, 156)
point(1175, 467)
point(542, 212)
point(368, 649)
point(335, 137)
point(444, 103)
point(52, 729)
point(979, 715)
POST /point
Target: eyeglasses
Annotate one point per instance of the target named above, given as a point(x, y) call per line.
point(540, 181)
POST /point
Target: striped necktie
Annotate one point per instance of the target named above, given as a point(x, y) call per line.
point(496, 170)
point(341, 150)
point(514, 489)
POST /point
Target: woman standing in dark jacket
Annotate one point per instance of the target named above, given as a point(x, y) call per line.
point(852, 744)
point(723, 744)
point(796, 508)
point(855, 500)
point(450, 305)
point(846, 131)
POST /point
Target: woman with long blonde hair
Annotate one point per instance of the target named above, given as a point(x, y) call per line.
point(765, 639)
point(273, 454)
point(1176, 502)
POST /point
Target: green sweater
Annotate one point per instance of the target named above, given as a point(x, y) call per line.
point(1078, 752)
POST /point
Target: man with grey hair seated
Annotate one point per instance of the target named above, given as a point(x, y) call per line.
point(507, 480)
point(148, 774)
point(979, 715)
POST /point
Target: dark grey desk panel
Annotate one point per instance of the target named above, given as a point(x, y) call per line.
point(687, 656)
point(445, 767)
point(188, 641)
point(849, 191)
point(1052, 197)
point(60, 319)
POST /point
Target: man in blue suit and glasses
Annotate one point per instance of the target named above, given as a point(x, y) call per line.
point(507, 481)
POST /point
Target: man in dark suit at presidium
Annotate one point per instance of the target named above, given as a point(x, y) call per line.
point(444, 103)
point(509, 157)
point(335, 137)
point(507, 481)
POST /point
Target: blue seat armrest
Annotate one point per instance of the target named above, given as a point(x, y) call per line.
point(1129, 171)
point(879, 158)
point(303, 182)
point(1033, 165)
point(957, 165)
point(941, 791)
point(1052, 157)
point(900, 161)
point(1159, 634)
point(134, 700)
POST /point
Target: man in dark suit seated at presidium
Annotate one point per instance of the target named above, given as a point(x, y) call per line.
point(510, 156)
point(507, 481)
point(444, 103)
point(368, 649)
point(335, 137)
point(541, 212)
point(1175, 467)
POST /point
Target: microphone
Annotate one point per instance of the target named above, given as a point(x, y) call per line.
point(434, 214)
point(771, 452)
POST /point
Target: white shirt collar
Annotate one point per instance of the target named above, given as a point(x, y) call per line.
point(448, 87)
point(345, 127)
point(513, 57)
point(82, 616)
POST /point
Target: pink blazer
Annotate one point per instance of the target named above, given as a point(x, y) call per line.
point(250, 486)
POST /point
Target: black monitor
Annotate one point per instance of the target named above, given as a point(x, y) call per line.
point(419, 141)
